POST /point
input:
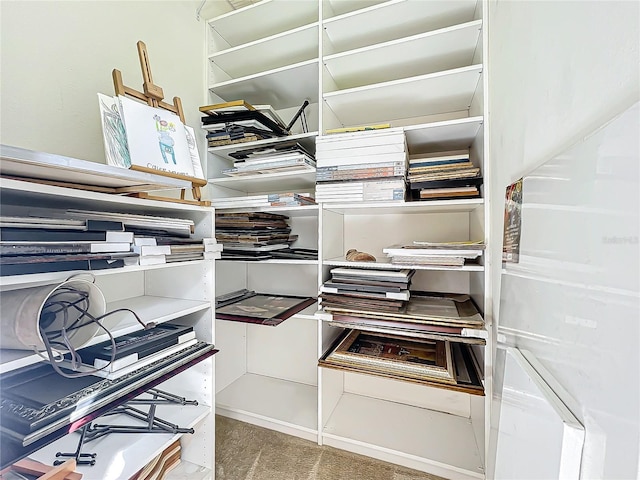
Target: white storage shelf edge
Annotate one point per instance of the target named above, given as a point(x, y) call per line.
point(143, 290)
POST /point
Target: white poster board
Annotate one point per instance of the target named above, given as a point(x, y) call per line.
point(136, 134)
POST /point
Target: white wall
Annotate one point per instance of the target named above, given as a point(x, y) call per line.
point(57, 55)
point(557, 71)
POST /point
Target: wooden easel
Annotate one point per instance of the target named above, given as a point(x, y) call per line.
point(153, 96)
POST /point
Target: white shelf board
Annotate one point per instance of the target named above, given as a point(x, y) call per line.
point(293, 46)
point(274, 403)
point(283, 87)
point(52, 196)
point(148, 308)
point(398, 19)
point(263, 19)
point(269, 182)
point(307, 140)
point(418, 207)
point(301, 211)
point(429, 52)
point(53, 277)
point(341, 262)
point(431, 441)
point(430, 94)
point(441, 136)
point(190, 471)
point(121, 456)
point(28, 163)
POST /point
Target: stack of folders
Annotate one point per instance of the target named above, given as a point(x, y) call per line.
point(364, 166)
point(440, 254)
point(158, 250)
point(283, 157)
point(444, 175)
point(133, 351)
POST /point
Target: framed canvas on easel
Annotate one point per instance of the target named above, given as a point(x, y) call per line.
point(143, 132)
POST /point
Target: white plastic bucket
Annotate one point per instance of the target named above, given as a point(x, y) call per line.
point(21, 310)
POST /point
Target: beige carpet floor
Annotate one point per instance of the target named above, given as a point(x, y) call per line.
point(247, 452)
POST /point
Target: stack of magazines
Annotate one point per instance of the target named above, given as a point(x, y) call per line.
point(285, 199)
point(361, 166)
point(443, 176)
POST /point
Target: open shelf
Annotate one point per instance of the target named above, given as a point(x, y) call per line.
point(429, 52)
point(398, 18)
point(430, 94)
point(383, 208)
point(293, 46)
point(427, 440)
point(281, 405)
point(441, 136)
point(269, 182)
point(282, 87)
point(53, 277)
point(263, 19)
point(122, 455)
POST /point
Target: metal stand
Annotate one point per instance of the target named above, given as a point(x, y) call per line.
point(77, 455)
point(154, 424)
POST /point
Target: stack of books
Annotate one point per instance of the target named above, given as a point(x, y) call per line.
point(284, 157)
point(361, 166)
point(442, 254)
point(286, 199)
point(446, 175)
point(239, 121)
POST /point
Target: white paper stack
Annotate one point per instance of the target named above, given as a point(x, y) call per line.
point(364, 166)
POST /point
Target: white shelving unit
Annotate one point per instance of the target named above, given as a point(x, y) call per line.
point(177, 292)
point(418, 65)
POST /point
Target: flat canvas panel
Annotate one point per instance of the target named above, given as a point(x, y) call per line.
point(156, 138)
